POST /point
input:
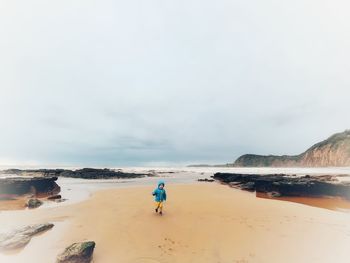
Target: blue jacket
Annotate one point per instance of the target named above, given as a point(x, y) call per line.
point(159, 194)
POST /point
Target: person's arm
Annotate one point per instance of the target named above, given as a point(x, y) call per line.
point(154, 192)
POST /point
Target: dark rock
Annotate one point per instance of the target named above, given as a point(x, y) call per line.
point(20, 186)
point(54, 197)
point(91, 173)
point(249, 186)
point(77, 253)
point(206, 180)
point(152, 173)
point(20, 237)
point(285, 185)
point(85, 173)
point(33, 203)
point(234, 184)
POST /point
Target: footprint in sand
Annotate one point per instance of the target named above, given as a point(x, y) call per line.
point(167, 247)
point(169, 240)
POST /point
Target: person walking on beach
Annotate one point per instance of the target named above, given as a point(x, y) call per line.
point(159, 196)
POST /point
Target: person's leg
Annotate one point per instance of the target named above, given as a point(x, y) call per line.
point(161, 208)
point(157, 206)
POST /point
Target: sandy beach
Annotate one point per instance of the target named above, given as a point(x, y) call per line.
point(240, 109)
point(202, 222)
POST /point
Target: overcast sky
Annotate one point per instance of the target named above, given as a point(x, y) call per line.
point(121, 83)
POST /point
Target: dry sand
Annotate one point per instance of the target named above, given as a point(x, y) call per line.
point(202, 222)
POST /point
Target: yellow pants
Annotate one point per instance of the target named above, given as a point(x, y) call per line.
point(159, 205)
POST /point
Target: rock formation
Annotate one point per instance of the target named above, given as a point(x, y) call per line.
point(77, 253)
point(14, 186)
point(85, 173)
point(18, 238)
point(335, 151)
point(287, 185)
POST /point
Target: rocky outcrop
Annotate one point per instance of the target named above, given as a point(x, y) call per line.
point(91, 173)
point(34, 172)
point(335, 151)
point(286, 185)
point(18, 238)
point(12, 187)
point(77, 253)
point(85, 173)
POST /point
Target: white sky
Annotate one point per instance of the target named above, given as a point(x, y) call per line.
point(114, 83)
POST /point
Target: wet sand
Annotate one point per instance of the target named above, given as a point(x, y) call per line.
point(202, 222)
point(14, 204)
point(331, 203)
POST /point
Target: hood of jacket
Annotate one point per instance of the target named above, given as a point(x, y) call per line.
point(161, 182)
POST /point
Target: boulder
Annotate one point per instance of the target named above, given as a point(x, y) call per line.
point(77, 253)
point(16, 186)
point(20, 237)
point(33, 203)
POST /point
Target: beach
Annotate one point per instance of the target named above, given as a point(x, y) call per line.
point(202, 222)
point(238, 109)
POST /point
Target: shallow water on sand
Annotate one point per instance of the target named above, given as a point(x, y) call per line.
point(330, 203)
point(42, 242)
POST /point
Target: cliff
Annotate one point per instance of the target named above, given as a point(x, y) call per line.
point(334, 151)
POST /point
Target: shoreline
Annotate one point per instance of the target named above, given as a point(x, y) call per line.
point(76, 190)
point(202, 222)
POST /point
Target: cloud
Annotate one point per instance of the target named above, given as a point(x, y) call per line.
point(135, 83)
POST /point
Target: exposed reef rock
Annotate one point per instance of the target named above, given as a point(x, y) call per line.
point(91, 173)
point(286, 185)
point(85, 173)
